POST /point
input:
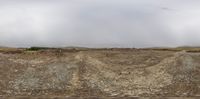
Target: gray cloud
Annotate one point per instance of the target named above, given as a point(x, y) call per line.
point(99, 23)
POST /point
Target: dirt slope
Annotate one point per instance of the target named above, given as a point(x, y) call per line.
point(99, 73)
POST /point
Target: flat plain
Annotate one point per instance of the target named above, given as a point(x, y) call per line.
point(113, 72)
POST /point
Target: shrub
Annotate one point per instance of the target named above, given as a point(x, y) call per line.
point(36, 48)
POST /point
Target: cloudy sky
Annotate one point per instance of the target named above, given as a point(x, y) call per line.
point(99, 23)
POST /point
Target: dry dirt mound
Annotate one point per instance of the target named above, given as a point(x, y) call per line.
point(100, 73)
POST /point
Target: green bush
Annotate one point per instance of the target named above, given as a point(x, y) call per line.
point(36, 48)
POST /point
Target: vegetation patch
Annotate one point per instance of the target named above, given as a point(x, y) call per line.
point(37, 48)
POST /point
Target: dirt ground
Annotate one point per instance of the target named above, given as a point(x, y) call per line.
point(99, 73)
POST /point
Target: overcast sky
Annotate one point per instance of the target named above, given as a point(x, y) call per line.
point(99, 23)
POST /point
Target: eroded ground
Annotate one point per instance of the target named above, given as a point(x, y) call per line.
point(100, 73)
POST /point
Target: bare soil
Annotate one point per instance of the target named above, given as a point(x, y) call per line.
point(99, 73)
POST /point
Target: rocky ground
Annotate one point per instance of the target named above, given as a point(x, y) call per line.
point(99, 73)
